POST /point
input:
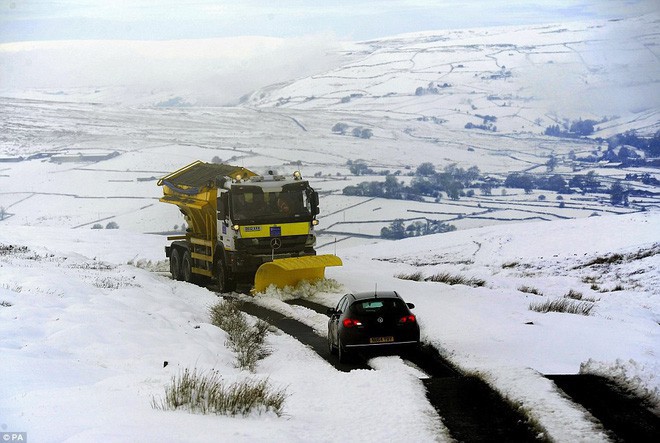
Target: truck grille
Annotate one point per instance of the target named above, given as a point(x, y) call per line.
point(262, 245)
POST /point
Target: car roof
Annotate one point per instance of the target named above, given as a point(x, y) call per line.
point(375, 294)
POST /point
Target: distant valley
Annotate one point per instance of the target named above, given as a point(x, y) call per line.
point(436, 130)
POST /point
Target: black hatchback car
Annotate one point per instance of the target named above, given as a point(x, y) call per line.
point(371, 320)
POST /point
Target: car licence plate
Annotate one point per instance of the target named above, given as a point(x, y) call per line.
point(381, 339)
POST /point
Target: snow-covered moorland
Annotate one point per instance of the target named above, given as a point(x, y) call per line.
point(96, 155)
point(92, 328)
point(86, 326)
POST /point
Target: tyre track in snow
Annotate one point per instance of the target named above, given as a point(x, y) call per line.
point(467, 406)
point(624, 416)
point(299, 331)
point(471, 409)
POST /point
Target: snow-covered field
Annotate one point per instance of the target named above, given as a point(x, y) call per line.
point(97, 160)
point(88, 317)
point(86, 326)
point(526, 76)
point(98, 164)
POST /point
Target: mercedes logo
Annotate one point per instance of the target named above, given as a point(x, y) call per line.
point(380, 319)
point(276, 243)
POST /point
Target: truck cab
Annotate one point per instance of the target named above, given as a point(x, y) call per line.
point(265, 218)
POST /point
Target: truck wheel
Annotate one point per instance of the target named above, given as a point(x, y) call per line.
point(186, 268)
point(175, 264)
point(225, 283)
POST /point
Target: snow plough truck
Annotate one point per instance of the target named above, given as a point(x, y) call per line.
point(243, 227)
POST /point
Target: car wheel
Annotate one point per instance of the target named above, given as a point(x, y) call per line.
point(175, 264)
point(343, 355)
point(331, 347)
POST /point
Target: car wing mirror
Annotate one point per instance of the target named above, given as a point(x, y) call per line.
point(331, 311)
point(410, 305)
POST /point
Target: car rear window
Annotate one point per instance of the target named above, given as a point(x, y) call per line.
point(380, 307)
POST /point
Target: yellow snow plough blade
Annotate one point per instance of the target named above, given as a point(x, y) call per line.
point(290, 271)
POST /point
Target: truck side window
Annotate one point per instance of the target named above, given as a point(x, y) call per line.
point(222, 202)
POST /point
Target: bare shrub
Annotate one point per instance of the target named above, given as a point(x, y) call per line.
point(247, 341)
point(565, 305)
point(249, 345)
point(444, 277)
point(572, 294)
point(111, 282)
point(529, 290)
point(205, 393)
point(11, 249)
point(607, 259)
point(414, 276)
point(510, 264)
point(226, 315)
point(618, 287)
point(619, 258)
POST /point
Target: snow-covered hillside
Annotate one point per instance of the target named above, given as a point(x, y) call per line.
point(523, 78)
point(527, 76)
point(86, 325)
point(97, 163)
point(92, 327)
point(170, 73)
point(80, 165)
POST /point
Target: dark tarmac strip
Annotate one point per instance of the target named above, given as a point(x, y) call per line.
point(301, 332)
point(625, 417)
point(468, 407)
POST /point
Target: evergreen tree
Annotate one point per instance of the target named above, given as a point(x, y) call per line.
point(618, 195)
point(426, 169)
point(395, 231)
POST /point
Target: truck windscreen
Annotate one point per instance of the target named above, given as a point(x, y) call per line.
point(254, 204)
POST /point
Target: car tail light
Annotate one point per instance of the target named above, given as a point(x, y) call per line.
point(350, 322)
point(408, 319)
